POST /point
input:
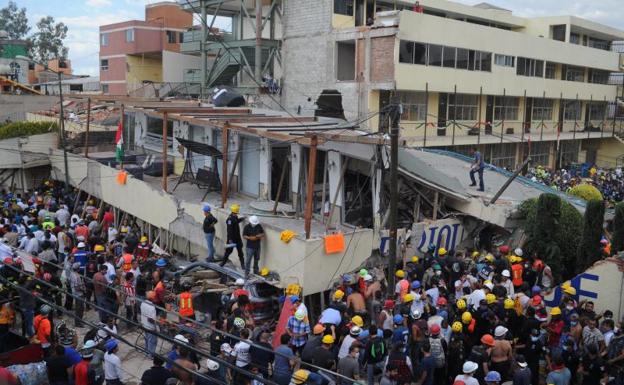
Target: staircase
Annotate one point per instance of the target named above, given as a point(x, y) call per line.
point(223, 71)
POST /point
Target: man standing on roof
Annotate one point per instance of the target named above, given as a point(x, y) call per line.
point(209, 231)
point(234, 239)
point(253, 233)
point(477, 166)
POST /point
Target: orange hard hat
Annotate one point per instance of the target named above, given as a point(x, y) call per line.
point(487, 339)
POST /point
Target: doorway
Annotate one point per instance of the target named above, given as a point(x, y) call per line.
point(489, 114)
point(280, 162)
point(528, 115)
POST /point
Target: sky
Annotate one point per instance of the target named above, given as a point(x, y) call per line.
point(85, 16)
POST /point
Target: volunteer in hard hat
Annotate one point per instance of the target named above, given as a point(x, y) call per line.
point(113, 370)
point(506, 283)
point(233, 236)
point(456, 350)
point(502, 352)
point(43, 329)
point(125, 262)
point(298, 328)
point(402, 286)
point(554, 327)
point(517, 272)
point(253, 234)
point(209, 231)
point(143, 250)
point(185, 302)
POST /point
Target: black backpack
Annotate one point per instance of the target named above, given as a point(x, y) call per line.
point(377, 350)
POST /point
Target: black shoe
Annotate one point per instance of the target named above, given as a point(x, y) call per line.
point(472, 184)
point(482, 190)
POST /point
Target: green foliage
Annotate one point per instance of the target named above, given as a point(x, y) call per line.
point(48, 40)
point(17, 129)
point(14, 21)
point(543, 227)
point(586, 192)
point(617, 243)
point(589, 250)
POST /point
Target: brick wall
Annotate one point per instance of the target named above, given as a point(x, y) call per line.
point(382, 59)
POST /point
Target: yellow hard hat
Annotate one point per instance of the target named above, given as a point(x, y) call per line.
point(264, 272)
point(512, 259)
point(399, 274)
point(489, 258)
point(414, 259)
point(357, 321)
point(328, 339)
point(509, 303)
point(144, 239)
point(339, 294)
point(466, 317)
point(569, 290)
point(98, 248)
point(235, 208)
point(555, 311)
point(475, 254)
point(490, 298)
point(461, 304)
point(409, 297)
point(457, 327)
point(301, 375)
point(441, 251)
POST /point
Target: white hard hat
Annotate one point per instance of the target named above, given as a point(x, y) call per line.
point(239, 282)
point(470, 367)
point(254, 220)
point(368, 278)
point(506, 273)
point(500, 331)
point(212, 365)
point(181, 338)
point(81, 245)
point(518, 252)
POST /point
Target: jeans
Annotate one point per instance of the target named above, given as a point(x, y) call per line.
point(100, 300)
point(472, 178)
point(210, 245)
point(150, 343)
point(255, 253)
point(29, 316)
point(370, 371)
point(79, 311)
point(228, 251)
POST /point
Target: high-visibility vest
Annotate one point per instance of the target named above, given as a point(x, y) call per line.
point(186, 304)
point(127, 263)
point(516, 274)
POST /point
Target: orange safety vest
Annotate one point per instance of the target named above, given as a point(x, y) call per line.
point(516, 274)
point(127, 262)
point(186, 305)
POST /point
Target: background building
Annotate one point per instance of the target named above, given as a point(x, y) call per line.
point(136, 52)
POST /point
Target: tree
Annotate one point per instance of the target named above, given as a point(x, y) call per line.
point(14, 21)
point(48, 40)
point(586, 192)
point(589, 250)
point(617, 243)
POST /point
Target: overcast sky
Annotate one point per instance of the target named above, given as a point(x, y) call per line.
point(83, 17)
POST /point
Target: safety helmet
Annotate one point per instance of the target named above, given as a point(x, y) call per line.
point(416, 285)
point(416, 314)
point(398, 319)
point(487, 339)
point(461, 304)
point(466, 317)
point(490, 298)
point(299, 315)
point(98, 248)
point(235, 208)
point(434, 329)
point(555, 311)
point(328, 339)
point(508, 303)
point(357, 321)
point(355, 330)
point(143, 239)
point(442, 251)
point(569, 290)
point(301, 375)
point(457, 327)
point(415, 259)
point(399, 274)
point(264, 272)
point(239, 322)
point(518, 251)
point(442, 301)
point(409, 297)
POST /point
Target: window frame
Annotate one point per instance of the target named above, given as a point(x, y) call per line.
point(577, 110)
point(465, 110)
point(342, 6)
point(105, 88)
point(414, 105)
point(104, 67)
point(509, 107)
point(169, 33)
point(504, 60)
point(541, 112)
point(104, 39)
point(129, 35)
point(553, 66)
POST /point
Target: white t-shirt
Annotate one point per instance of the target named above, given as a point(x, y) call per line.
point(344, 348)
point(468, 380)
point(241, 352)
point(112, 367)
point(148, 311)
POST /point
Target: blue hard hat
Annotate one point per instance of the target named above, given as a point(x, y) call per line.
point(294, 298)
point(161, 262)
point(206, 208)
point(416, 284)
point(111, 344)
point(398, 319)
point(493, 376)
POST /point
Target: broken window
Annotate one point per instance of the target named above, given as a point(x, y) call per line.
point(343, 7)
point(155, 129)
point(345, 60)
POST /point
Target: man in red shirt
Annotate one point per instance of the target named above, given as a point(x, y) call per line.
point(82, 230)
point(108, 219)
point(43, 328)
point(554, 327)
point(81, 369)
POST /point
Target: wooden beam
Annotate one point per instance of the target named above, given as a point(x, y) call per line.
point(88, 124)
point(224, 171)
point(310, 186)
point(280, 185)
point(164, 150)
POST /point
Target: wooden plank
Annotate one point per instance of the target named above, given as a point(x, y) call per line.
point(310, 187)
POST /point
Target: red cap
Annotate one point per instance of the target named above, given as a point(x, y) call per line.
point(434, 329)
point(389, 304)
point(442, 301)
point(536, 300)
point(504, 249)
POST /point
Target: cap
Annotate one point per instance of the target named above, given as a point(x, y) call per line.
point(239, 282)
point(318, 329)
point(493, 376)
point(76, 265)
point(181, 338)
point(500, 331)
point(254, 220)
point(161, 262)
point(469, 367)
point(45, 309)
point(212, 365)
point(328, 339)
point(206, 208)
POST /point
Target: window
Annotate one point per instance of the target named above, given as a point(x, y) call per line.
point(504, 60)
point(574, 74)
point(406, 52)
point(130, 35)
point(104, 88)
point(343, 7)
point(597, 111)
point(181, 37)
point(503, 155)
point(464, 108)
point(155, 128)
point(462, 58)
point(104, 39)
point(171, 37)
point(414, 105)
point(346, 60)
point(569, 152)
point(435, 55)
point(559, 32)
point(542, 109)
point(572, 110)
point(598, 76)
point(530, 67)
point(449, 57)
point(540, 153)
point(485, 61)
point(598, 43)
point(104, 64)
point(575, 38)
point(506, 108)
point(551, 69)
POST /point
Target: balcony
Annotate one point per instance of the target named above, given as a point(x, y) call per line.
point(192, 39)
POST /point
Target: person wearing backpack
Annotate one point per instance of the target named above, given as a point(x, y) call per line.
point(438, 352)
point(375, 353)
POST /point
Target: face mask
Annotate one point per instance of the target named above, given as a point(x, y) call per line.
point(534, 338)
point(438, 272)
point(570, 307)
point(573, 323)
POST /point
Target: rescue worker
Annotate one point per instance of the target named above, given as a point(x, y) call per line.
point(185, 302)
point(143, 250)
point(125, 262)
point(48, 223)
point(234, 239)
point(81, 256)
point(517, 270)
point(43, 329)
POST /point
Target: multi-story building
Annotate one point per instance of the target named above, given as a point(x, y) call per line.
point(466, 75)
point(136, 52)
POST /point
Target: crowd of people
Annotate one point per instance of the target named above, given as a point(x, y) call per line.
point(608, 181)
point(462, 317)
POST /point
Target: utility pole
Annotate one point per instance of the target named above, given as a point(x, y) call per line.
point(63, 135)
point(394, 160)
point(202, 49)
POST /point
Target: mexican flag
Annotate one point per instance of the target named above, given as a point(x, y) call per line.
point(119, 152)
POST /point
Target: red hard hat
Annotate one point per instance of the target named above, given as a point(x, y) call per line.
point(536, 300)
point(434, 329)
point(36, 261)
point(504, 249)
point(442, 301)
point(487, 339)
point(538, 265)
point(8, 260)
point(389, 304)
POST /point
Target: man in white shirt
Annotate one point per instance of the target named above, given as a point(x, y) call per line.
point(112, 364)
point(32, 245)
point(241, 350)
point(148, 321)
